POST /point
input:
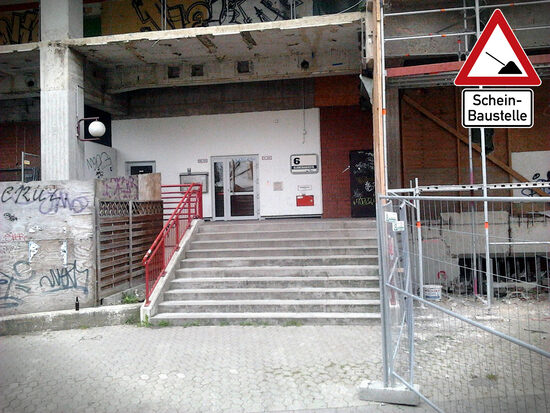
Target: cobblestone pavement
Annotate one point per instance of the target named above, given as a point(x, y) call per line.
point(194, 369)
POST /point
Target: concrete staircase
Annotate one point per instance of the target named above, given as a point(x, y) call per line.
point(288, 272)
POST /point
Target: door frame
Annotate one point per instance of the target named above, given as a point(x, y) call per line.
point(227, 200)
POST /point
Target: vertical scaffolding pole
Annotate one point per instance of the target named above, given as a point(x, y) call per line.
point(383, 81)
point(384, 301)
point(475, 280)
point(419, 236)
point(488, 269)
point(378, 103)
point(379, 145)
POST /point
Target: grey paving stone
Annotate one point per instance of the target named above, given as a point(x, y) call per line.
point(197, 369)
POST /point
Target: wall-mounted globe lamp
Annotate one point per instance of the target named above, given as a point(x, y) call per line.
point(96, 129)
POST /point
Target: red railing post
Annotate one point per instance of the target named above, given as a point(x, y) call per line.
point(177, 231)
point(200, 201)
point(163, 256)
point(147, 290)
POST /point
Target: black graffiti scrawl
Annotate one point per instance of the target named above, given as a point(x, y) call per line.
point(21, 280)
point(69, 277)
point(15, 284)
point(537, 177)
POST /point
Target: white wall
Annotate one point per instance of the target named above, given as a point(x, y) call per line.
point(177, 143)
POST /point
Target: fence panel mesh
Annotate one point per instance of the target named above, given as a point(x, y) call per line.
point(484, 345)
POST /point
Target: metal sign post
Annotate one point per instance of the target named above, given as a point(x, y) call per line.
point(496, 108)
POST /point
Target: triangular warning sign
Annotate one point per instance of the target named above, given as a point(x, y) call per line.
point(497, 59)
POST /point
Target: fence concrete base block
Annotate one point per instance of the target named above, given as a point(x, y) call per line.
point(376, 392)
point(68, 319)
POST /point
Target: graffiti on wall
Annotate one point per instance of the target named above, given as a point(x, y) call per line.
point(99, 161)
point(533, 165)
point(13, 236)
point(14, 285)
point(19, 27)
point(22, 280)
point(537, 177)
point(66, 278)
point(10, 217)
point(100, 164)
point(147, 15)
point(121, 188)
point(38, 223)
point(48, 200)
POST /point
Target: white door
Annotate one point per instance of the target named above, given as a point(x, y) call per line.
point(235, 183)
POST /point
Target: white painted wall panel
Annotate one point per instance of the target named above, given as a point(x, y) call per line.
point(177, 143)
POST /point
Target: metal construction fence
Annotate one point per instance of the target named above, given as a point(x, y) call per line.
point(465, 296)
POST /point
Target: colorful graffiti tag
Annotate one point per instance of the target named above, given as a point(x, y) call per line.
point(148, 15)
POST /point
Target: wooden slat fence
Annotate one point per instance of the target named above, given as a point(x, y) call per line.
point(125, 231)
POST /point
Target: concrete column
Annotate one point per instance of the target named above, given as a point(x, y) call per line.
point(61, 90)
point(393, 138)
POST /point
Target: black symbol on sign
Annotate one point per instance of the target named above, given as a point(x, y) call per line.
point(509, 68)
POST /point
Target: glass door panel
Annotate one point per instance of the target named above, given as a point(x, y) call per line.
point(236, 187)
point(241, 175)
point(219, 190)
point(241, 183)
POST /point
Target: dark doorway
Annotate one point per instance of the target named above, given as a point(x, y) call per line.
point(363, 202)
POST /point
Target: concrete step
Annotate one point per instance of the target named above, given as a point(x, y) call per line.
point(286, 271)
point(282, 272)
point(277, 252)
point(233, 234)
point(251, 319)
point(279, 261)
point(269, 306)
point(284, 224)
point(306, 293)
point(285, 242)
point(275, 282)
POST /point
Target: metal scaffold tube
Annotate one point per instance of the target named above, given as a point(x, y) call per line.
point(452, 9)
point(429, 36)
point(488, 269)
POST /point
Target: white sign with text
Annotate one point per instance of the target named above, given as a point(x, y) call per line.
point(497, 108)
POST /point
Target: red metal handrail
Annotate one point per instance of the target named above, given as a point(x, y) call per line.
point(168, 240)
point(171, 197)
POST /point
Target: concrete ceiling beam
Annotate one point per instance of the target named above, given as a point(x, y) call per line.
point(333, 62)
